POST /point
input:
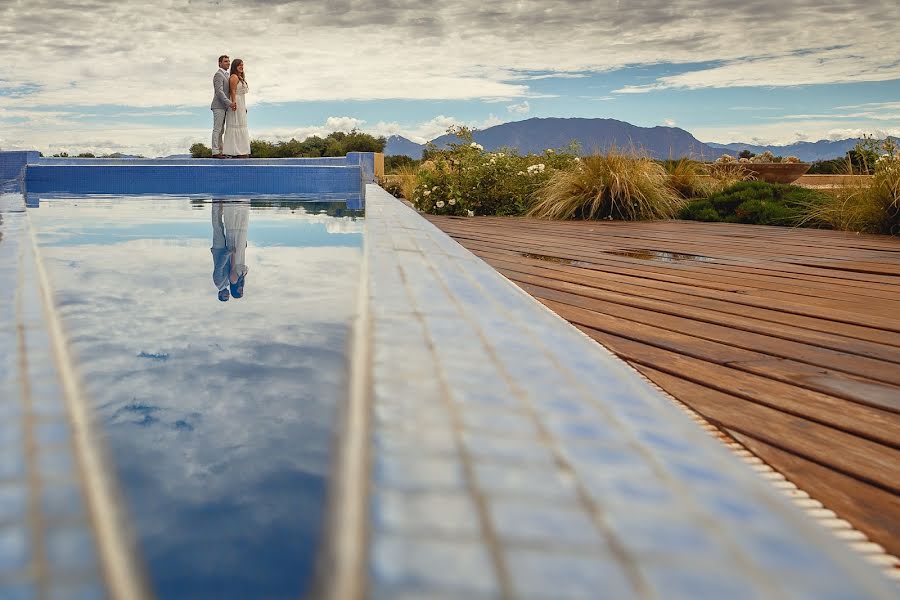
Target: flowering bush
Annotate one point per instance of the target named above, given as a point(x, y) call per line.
point(765, 157)
point(465, 180)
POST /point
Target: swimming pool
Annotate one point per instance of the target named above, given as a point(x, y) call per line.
point(485, 448)
point(218, 414)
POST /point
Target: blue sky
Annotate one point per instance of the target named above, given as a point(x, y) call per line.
point(134, 77)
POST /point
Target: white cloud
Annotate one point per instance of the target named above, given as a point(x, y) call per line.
point(159, 57)
point(669, 123)
point(522, 109)
point(788, 132)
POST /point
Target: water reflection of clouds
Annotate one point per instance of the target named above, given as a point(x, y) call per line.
point(219, 415)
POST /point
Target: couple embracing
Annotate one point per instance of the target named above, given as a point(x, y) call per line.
point(230, 110)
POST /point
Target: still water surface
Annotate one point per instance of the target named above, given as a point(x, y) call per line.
point(218, 414)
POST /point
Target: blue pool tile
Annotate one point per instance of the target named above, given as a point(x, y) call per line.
point(501, 422)
point(62, 500)
point(12, 463)
point(490, 448)
point(648, 539)
point(13, 503)
point(56, 463)
point(414, 440)
point(14, 549)
point(522, 521)
point(548, 575)
point(462, 568)
point(534, 483)
point(77, 590)
point(415, 473)
point(426, 513)
point(51, 433)
point(19, 590)
point(70, 549)
point(694, 581)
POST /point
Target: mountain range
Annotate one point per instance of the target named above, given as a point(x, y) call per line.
point(537, 134)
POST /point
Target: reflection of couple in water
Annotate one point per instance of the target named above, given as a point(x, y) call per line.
point(229, 243)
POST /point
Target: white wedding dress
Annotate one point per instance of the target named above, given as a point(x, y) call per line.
point(237, 136)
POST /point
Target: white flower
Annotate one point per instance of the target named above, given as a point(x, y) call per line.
point(500, 155)
point(549, 150)
point(471, 213)
point(434, 189)
point(427, 192)
point(451, 201)
point(520, 173)
point(476, 146)
point(439, 204)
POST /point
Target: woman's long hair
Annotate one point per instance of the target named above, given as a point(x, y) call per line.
point(234, 65)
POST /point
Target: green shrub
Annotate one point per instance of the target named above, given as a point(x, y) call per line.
point(754, 202)
point(615, 185)
point(464, 179)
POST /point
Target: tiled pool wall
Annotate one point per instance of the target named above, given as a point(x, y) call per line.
point(61, 535)
point(488, 450)
point(346, 175)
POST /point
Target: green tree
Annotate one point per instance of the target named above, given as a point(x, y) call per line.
point(199, 150)
point(746, 154)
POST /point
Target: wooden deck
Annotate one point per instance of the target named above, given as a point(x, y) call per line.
point(788, 340)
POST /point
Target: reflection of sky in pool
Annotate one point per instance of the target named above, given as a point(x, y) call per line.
point(218, 414)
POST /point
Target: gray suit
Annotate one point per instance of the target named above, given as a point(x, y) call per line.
point(221, 102)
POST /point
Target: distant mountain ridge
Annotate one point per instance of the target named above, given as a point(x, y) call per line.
point(805, 151)
point(537, 134)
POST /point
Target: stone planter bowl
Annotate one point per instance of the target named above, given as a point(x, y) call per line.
point(777, 172)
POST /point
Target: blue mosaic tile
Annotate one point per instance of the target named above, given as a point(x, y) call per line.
point(70, 548)
point(692, 581)
point(413, 473)
point(14, 549)
point(55, 463)
point(501, 422)
point(20, 590)
point(62, 500)
point(453, 567)
point(51, 433)
point(427, 513)
point(77, 590)
point(647, 539)
point(484, 447)
point(414, 440)
point(564, 576)
point(13, 502)
point(519, 521)
point(12, 463)
point(498, 480)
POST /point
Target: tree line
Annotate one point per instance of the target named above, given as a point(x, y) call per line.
point(336, 143)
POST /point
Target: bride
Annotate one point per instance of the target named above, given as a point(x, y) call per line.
point(237, 137)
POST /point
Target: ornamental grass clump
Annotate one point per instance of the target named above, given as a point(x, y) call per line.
point(690, 178)
point(616, 185)
point(866, 205)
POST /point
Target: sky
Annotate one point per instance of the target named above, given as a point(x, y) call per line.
point(136, 77)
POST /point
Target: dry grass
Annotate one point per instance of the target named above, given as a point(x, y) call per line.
point(615, 185)
point(689, 178)
point(861, 205)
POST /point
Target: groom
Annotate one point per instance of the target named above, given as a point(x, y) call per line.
point(220, 104)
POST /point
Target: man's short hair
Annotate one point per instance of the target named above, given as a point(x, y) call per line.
point(223, 57)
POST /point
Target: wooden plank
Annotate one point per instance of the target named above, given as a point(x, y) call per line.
point(762, 345)
point(871, 341)
point(712, 312)
point(591, 257)
point(851, 388)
